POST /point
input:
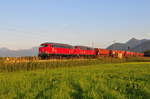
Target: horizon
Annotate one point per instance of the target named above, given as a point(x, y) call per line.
point(27, 24)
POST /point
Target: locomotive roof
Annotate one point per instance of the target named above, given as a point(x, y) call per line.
point(57, 44)
point(84, 46)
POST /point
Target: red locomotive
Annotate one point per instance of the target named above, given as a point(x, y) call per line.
point(55, 49)
point(64, 50)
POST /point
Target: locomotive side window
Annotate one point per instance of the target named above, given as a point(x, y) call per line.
point(57, 46)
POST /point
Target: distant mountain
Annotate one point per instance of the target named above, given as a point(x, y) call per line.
point(5, 52)
point(134, 42)
point(142, 47)
point(132, 45)
point(118, 46)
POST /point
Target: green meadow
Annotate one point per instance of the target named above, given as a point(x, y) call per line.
point(75, 79)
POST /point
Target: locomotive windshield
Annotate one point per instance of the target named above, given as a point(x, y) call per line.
point(44, 45)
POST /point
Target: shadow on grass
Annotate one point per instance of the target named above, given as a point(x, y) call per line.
point(41, 95)
point(135, 91)
point(78, 91)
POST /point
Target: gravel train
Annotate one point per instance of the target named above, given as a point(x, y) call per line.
point(53, 50)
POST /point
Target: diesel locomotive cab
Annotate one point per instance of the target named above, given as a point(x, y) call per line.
point(44, 50)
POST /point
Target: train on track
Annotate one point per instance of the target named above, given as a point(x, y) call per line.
point(58, 50)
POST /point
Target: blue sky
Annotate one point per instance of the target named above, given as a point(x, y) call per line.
point(27, 23)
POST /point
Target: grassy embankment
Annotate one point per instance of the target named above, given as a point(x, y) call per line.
point(84, 79)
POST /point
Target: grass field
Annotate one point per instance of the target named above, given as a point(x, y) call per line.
point(94, 81)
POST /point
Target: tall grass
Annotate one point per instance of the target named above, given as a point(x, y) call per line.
point(32, 63)
point(48, 64)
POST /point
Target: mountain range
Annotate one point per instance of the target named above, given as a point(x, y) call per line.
point(132, 45)
point(5, 52)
